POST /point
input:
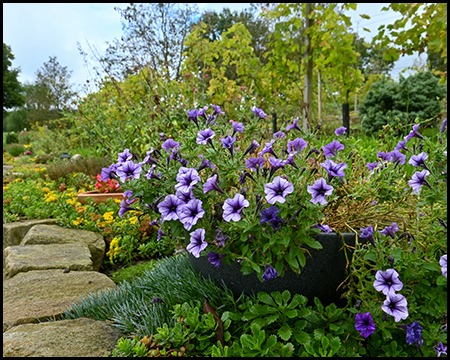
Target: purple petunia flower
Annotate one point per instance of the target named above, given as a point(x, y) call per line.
point(293, 126)
point(129, 169)
point(211, 184)
point(441, 349)
point(387, 281)
point(187, 178)
point(201, 112)
point(205, 136)
point(290, 160)
point(170, 207)
point(149, 159)
point(397, 157)
point(443, 126)
point(270, 216)
point(259, 112)
point(252, 147)
point(318, 191)
point(160, 234)
point(190, 213)
point(124, 208)
point(402, 146)
point(254, 163)
point(390, 230)
point(279, 135)
point(443, 263)
point(332, 148)
point(124, 156)
point(237, 127)
point(205, 163)
point(384, 156)
point(197, 243)
point(275, 164)
point(185, 197)
point(193, 114)
point(151, 175)
point(340, 131)
point(217, 110)
point(413, 332)
point(367, 233)
point(268, 148)
point(364, 324)
point(324, 228)
point(170, 145)
point(413, 133)
point(297, 144)
point(372, 166)
point(233, 207)
point(396, 305)
point(418, 160)
point(214, 258)
point(228, 142)
point(418, 179)
point(277, 190)
point(220, 239)
point(105, 175)
point(269, 273)
point(333, 169)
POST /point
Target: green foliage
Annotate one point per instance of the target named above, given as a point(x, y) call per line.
point(12, 96)
point(400, 104)
point(16, 150)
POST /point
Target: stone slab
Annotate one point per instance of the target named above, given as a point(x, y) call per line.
point(35, 296)
point(13, 233)
point(81, 337)
point(54, 234)
point(41, 257)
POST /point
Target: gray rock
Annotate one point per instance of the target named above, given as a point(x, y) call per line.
point(76, 157)
point(54, 234)
point(41, 257)
point(13, 233)
point(79, 338)
point(38, 295)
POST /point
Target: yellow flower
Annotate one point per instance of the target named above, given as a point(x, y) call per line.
point(108, 216)
point(133, 220)
point(70, 201)
point(113, 248)
point(51, 198)
point(5, 188)
point(27, 146)
point(78, 221)
point(24, 197)
point(18, 180)
point(117, 201)
point(102, 224)
point(45, 189)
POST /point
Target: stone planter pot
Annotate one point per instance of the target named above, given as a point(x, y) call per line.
point(99, 197)
point(324, 271)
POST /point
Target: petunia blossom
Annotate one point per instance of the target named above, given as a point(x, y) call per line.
point(277, 190)
point(259, 113)
point(387, 281)
point(169, 207)
point(298, 144)
point(396, 305)
point(187, 178)
point(364, 324)
point(254, 163)
point(211, 184)
point(418, 179)
point(190, 213)
point(197, 242)
point(367, 233)
point(333, 169)
point(129, 169)
point(390, 230)
point(414, 133)
point(443, 263)
point(294, 125)
point(340, 131)
point(269, 273)
point(124, 156)
point(232, 208)
point(318, 191)
point(205, 136)
point(413, 333)
point(214, 258)
point(441, 349)
point(332, 148)
point(419, 160)
point(170, 145)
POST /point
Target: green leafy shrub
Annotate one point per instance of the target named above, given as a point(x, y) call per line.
point(15, 150)
point(400, 104)
point(90, 166)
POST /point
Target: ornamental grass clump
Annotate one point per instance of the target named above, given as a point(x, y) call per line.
point(224, 191)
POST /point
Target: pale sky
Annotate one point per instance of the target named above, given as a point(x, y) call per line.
point(37, 31)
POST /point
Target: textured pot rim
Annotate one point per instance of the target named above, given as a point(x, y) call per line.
point(101, 196)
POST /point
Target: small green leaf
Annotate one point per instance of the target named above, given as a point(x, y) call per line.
point(266, 298)
point(285, 332)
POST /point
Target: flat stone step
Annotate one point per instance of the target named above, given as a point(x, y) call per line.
point(81, 337)
point(35, 296)
point(42, 257)
point(43, 234)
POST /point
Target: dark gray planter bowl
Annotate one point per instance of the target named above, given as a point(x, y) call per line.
point(324, 271)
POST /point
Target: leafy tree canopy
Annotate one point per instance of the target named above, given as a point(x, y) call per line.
point(12, 96)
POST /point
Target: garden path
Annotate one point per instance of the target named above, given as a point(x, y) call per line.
point(42, 276)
